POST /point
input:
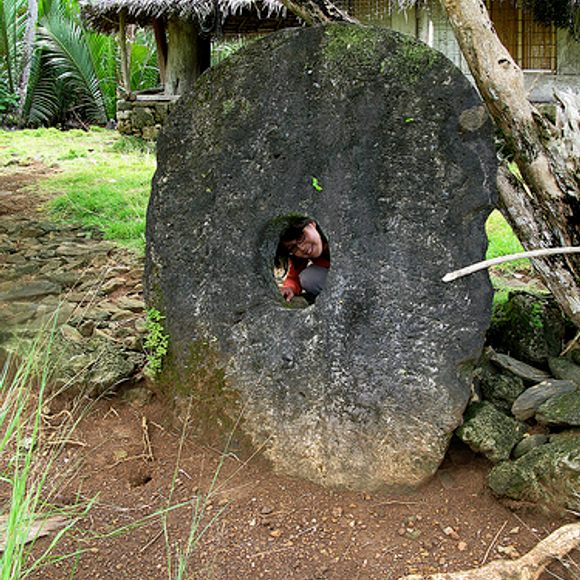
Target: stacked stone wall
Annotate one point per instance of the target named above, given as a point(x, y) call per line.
point(142, 118)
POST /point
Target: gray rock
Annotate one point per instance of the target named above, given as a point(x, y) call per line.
point(486, 430)
point(92, 368)
point(549, 474)
point(71, 334)
point(65, 279)
point(365, 387)
point(33, 289)
point(530, 327)
point(529, 443)
point(526, 405)
point(73, 249)
point(565, 369)
point(112, 285)
point(131, 303)
point(562, 409)
point(526, 372)
point(499, 388)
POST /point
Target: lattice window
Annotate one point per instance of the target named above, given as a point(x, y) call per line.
point(531, 44)
point(371, 11)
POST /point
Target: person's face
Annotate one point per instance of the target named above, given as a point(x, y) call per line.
point(309, 245)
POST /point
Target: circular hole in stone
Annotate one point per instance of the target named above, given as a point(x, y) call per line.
point(301, 259)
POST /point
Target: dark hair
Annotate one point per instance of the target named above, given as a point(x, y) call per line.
point(292, 231)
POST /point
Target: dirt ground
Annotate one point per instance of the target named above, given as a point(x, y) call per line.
point(265, 525)
point(149, 478)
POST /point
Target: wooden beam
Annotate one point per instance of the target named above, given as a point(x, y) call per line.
point(125, 76)
point(161, 41)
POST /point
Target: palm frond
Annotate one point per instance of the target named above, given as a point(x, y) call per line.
point(12, 26)
point(43, 104)
point(68, 54)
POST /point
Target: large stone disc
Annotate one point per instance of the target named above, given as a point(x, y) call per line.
point(363, 388)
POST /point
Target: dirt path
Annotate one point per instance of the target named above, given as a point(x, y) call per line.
point(129, 454)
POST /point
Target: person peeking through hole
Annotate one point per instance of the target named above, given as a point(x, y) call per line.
point(303, 253)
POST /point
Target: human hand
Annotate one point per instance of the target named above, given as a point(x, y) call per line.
point(287, 293)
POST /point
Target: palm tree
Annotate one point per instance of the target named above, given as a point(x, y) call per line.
point(65, 73)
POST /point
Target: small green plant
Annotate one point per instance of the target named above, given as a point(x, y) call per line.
point(156, 342)
point(133, 144)
point(316, 185)
point(72, 154)
point(536, 316)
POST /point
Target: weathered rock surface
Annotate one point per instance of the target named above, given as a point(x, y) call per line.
point(365, 387)
point(529, 443)
point(488, 431)
point(530, 327)
point(90, 353)
point(565, 369)
point(549, 474)
point(526, 372)
point(499, 388)
point(563, 409)
point(526, 405)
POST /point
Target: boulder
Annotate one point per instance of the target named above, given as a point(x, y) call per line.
point(364, 387)
point(530, 327)
point(549, 474)
point(529, 443)
point(562, 410)
point(526, 405)
point(488, 431)
point(565, 369)
point(499, 388)
point(526, 372)
point(92, 367)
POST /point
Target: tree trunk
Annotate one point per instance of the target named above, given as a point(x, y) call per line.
point(544, 212)
point(27, 51)
point(188, 56)
point(544, 209)
point(317, 11)
point(125, 64)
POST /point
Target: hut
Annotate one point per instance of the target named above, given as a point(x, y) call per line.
point(548, 55)
point(183, 32)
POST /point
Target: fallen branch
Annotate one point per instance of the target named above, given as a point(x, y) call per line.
point(494, 261)
point(528, 567)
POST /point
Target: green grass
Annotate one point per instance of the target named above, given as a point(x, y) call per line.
point(28, 470)
point(502, 241)
point(101, 180)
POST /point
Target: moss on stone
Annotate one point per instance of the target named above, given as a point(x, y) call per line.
point(197, 380)
point(549, 474)
point(563, 409)
point(486, 430)
point(350, 44)
point(412, 60)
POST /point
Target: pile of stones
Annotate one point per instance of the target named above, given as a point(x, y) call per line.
point(142, 118)
point(526, 412)
point(65, 283)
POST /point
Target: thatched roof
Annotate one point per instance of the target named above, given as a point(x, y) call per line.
point(233, 15)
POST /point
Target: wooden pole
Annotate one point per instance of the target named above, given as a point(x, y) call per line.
point(125, 77)
point(501, 259)
point(161, 41)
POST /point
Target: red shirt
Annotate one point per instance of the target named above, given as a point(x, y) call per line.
point(292, 280)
